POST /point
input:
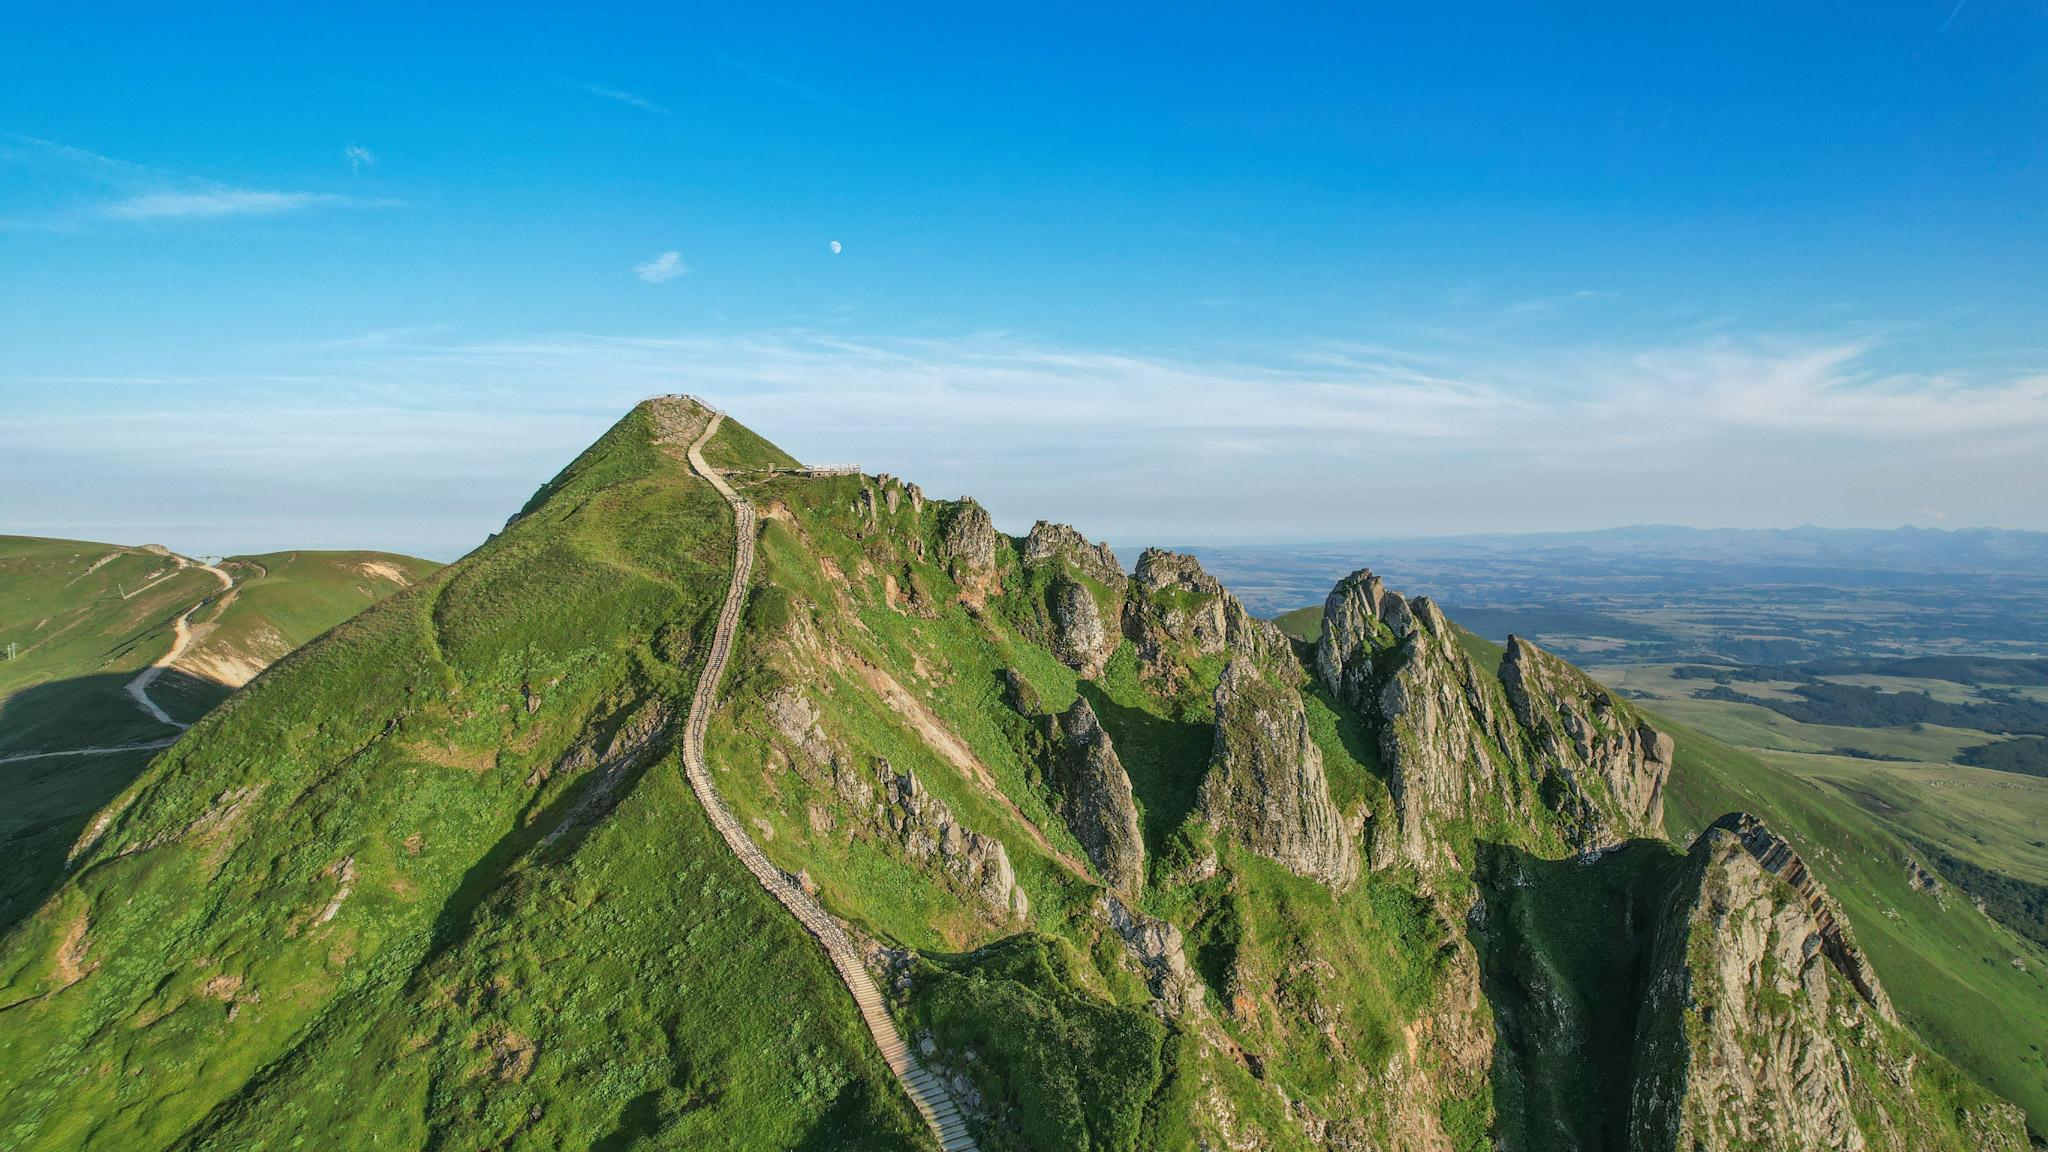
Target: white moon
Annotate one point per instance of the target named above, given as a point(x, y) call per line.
point(835, 247)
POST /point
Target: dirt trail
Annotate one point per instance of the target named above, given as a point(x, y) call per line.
point(139, 687)
point(925, 1091)
point(149, 747)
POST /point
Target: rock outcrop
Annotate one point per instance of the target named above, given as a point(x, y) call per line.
point(1266, 784)
point(1447, 739)
point(926, 828)
point(1578, 732)
point(1085, 598)
point(1177, 612)
point(1081, 638)
point(967, 541)
point(1461, 744)
point(1158, 949)
point(1837, 939)
point(1095, 800)
point(1752, 1010)
point(1738, 1050)
point(1051, 543)
point(920, 823)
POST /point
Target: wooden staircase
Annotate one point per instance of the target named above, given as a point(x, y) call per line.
point(925, 1091)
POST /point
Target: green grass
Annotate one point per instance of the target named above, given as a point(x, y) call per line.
point(1060, 1068)
point(81, 643)
point(474, 987)
point(1164, 750)
point(1565, 972)
point(1304, 624)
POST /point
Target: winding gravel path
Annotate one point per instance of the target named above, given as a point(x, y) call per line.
point(139, 687)
point(924, 1089)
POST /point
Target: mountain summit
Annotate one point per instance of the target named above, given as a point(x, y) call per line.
point(722, 802)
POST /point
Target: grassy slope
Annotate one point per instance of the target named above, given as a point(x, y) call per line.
point(82, 633)
point(1365, 962)
point(1302, 623)
point(81, 643)
point(471, 987)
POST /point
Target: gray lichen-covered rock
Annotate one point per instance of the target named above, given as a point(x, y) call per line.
point(1081, 638)
point(810, 753)
point(1085, 598)
point(1578, 730)
point(1447, 739)
point(1266, 784)
point(1459, 743)
point(1051, 543)
point(1095, 800)
point(1738, 1052)
point(929, 833)
point(1157, 947)
point(1756, 1032)
point(967, 540)
point(1178, 612)
point(1837, 939)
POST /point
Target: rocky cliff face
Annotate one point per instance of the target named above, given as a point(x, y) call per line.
point(1459, 743)
point(1762, 1027)
point(1096, 802)
point(1178, 613)
point(1610, 766)
point(1446, 736)
point(1084, 599)
point(967, 541)
point(1266, 784)
point(1061, 543)
point(879, 799)
point(1774, 855)
point(928, 832)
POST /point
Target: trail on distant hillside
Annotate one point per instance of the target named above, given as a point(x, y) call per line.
point(152, 746)
point(139, 687)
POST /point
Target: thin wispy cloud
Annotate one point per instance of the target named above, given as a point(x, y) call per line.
point(218, 202)
point(1325, 441)
point(1545, 304)
point(639, 102)
point(808, 95)
point(666, 266)
point(78, 186)
point(359, 157)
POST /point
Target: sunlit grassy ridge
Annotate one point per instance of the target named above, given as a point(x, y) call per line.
point(328, 914)
point(85, 618)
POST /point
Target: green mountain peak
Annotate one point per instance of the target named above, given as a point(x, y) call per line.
point(1099, 861)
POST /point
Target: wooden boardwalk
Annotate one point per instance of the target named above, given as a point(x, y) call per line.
point(925, 1091)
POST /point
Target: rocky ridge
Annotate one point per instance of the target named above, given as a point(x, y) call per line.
point(1460, 744)
point(1177, 613)
point(1763, 1026)
point(1096, 801)
point(1084, 598)
point(1266, 784)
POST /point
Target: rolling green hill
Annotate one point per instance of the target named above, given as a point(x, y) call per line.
point(85, 619)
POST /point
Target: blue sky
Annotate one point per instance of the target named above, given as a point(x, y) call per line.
point(1178, 273)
